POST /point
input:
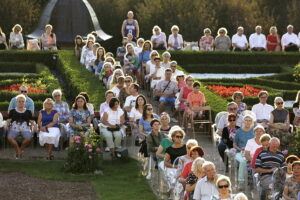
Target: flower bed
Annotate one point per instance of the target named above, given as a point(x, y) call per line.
point(226, 92)
point(32, 88)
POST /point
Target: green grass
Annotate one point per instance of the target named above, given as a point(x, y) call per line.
point(120, 180)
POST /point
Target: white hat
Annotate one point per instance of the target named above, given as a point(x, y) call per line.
point(180, 73)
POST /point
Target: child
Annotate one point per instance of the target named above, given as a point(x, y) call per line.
point(196, 100)
point(104, 75)
point(131, 64)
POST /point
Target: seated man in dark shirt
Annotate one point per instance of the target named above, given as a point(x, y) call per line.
point(266, 163)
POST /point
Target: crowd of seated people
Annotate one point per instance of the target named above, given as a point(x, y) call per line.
point(254, 138)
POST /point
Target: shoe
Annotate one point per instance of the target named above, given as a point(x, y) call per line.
point(107, 149)
point(148, 177)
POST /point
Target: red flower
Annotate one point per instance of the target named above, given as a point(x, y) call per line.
point(31, 88)
point(225, 92)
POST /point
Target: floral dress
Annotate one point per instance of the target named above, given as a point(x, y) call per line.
point(191, 179)
point(293, 187)
point(79, 117)
point(63, 111)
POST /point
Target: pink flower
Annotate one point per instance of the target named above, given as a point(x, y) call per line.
point(90, 150)
point(89, 146)
point(77, 141)
point(90, 157)
point(98, 149)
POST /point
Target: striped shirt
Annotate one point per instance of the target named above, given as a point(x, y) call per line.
point(268, 160)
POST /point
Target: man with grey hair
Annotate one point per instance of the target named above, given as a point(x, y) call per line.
point(206, 187)
point(239, 40)
point(266, 163)
point(257, 40)
point(175, 71)
point(29, 104)
point(289, 40)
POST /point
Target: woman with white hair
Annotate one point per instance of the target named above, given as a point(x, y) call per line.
point(206, 42)
point(273, 40)
point(48, 39)
point(61, 107)
point(158, 39)
point(196, 174)
point(166, 56)
point(165, 123)
point(16, 40)
point(49, 127)
point(280, 122)
point(239, 143)
point(254, 143)
point(240, 196)
point(175, 41)
point(222, 41)
point(172, 156)
point(18, 122)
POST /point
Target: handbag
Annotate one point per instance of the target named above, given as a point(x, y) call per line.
point(113, 129)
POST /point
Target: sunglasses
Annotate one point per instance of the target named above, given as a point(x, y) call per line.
point(149, 109)
point(223, 186)
point(231, 120)
point(279, 103)
point(23, 91)
point(179, 136)
point(127, 81)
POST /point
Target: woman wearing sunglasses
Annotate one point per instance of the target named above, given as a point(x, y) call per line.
point(224, 188)
point(280, 122)
point(172, 153)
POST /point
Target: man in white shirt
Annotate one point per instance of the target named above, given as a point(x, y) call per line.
point(175, 71)
point(120, 84)
point(157, 73)
point(258, 40)
point(239, 40)
point(262, 110)
point(104, 106)
point(290, 41)
point(206, 187)
point(130, 100)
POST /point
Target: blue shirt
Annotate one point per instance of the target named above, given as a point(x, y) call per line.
point(146, 124)
point(48, 118)
point(144, 56)
point(29, 104)
point(242, 137)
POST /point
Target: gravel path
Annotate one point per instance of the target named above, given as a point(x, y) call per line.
point(18, 186)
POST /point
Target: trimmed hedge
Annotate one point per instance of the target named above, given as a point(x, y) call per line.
point(19, 76)
point(233, 68)
point(48, 58)
point(215, 57)
point(77, 79)
point(24, 67)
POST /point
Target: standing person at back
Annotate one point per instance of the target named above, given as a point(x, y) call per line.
point(130, 25)
point(29, 104)
point(262, 110)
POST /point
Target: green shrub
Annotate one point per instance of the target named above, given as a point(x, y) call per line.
point(22, 67)
point(85, 155)
point(297, 73)
point(232, 68)
point(215, 57)
point(18, 76)
point(77, 79)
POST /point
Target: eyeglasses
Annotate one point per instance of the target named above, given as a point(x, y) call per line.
point(231, 120)
point(181, 76)
point(23, 91)
point(279, 103)
point(127, 81)
point(223, 186)
point(190, 80)
point(179, 136)
point(149, 109)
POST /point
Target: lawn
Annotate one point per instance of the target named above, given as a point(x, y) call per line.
point(120, 179)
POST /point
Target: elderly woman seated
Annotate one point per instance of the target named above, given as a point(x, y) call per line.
point(18, 122)
point(62, 109)
point(223, 184)
point(292, 184)
point(49, 127)
point(280, 122)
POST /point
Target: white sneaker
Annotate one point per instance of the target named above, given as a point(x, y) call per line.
point(148, 177)
point(107, 149)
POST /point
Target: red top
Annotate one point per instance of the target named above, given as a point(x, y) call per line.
point(187, 170)
point(255, 156)
point(186, 92)
point(273, 39)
